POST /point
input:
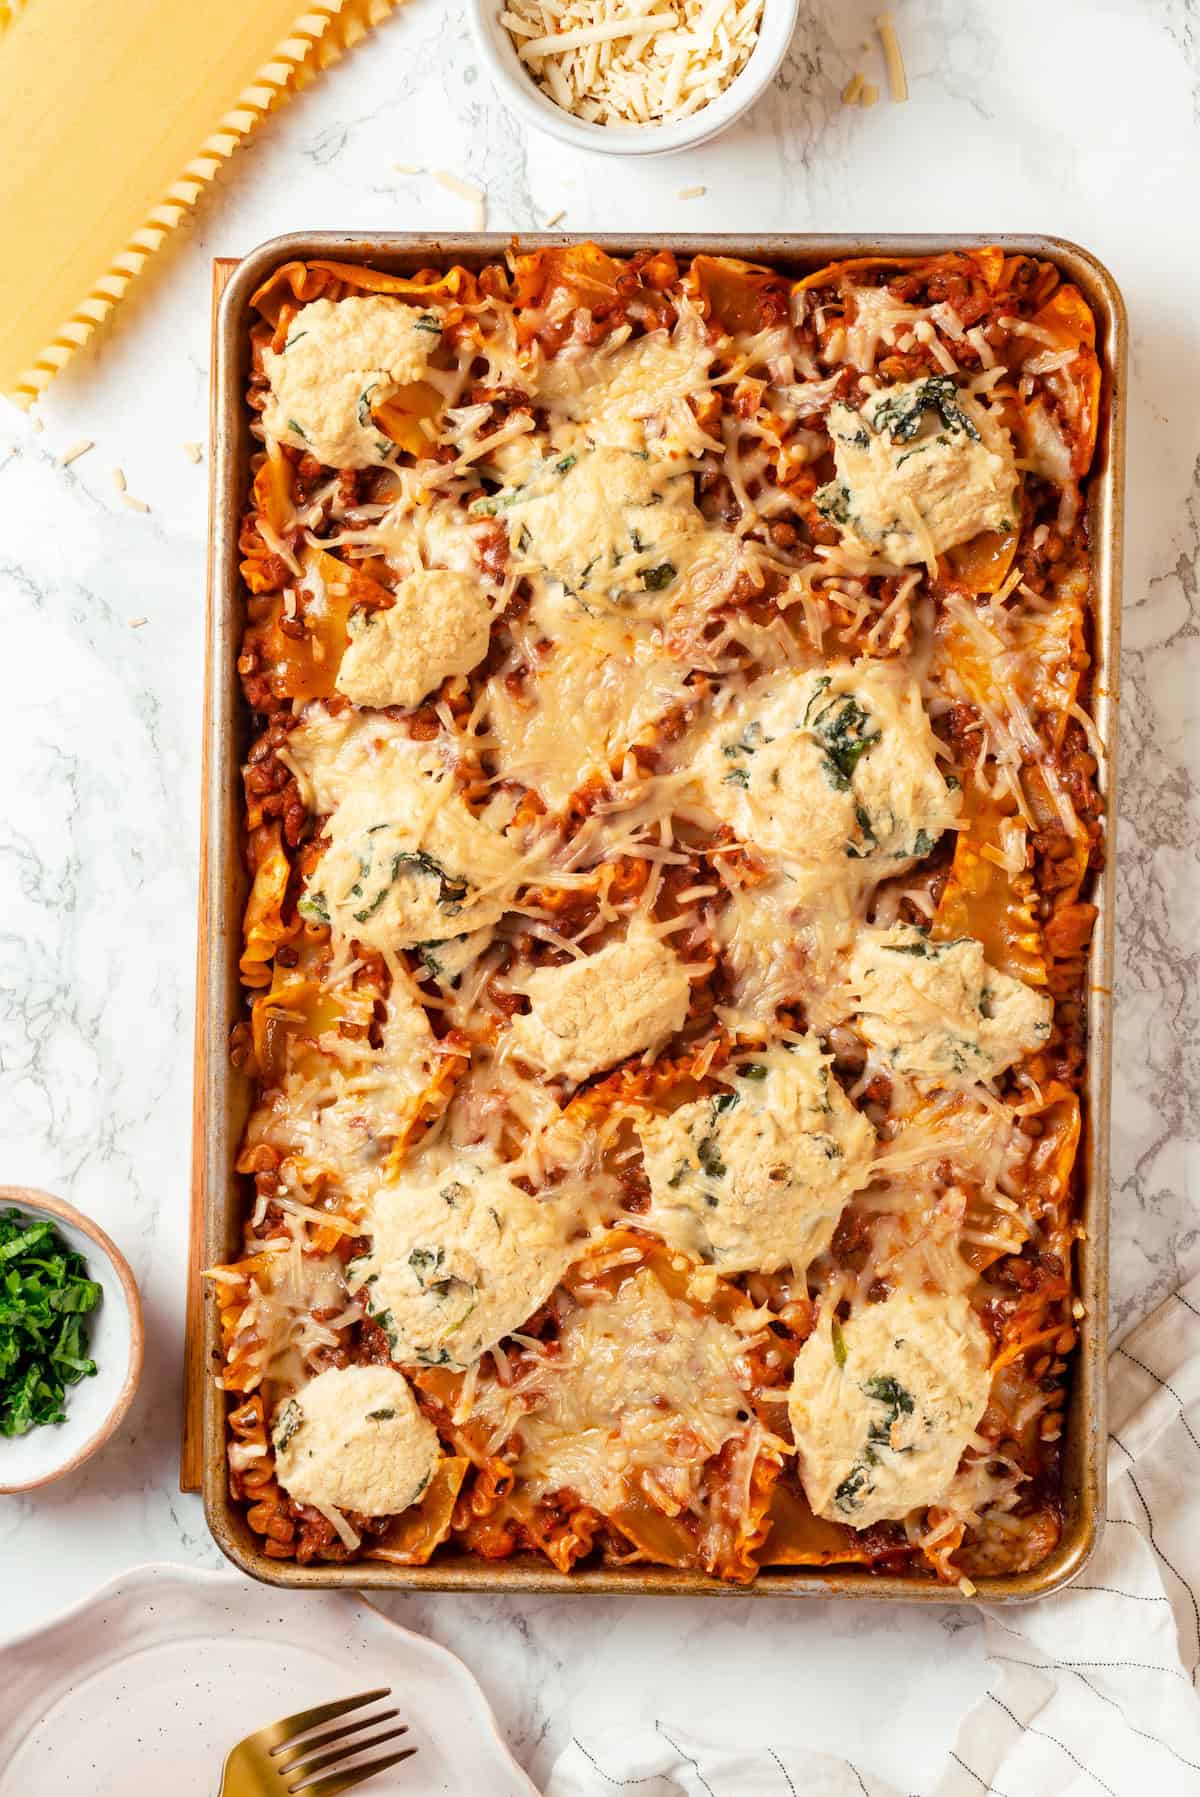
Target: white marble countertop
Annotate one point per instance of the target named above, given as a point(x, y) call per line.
point(1077, 118)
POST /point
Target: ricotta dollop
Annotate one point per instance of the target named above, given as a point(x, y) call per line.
point(591, 1013)
point(833, 771)
point(921, 467)
point(354, 1439)
point(438, 624)
point(459, 1258)
point(757, 1175)
point(938, 1012)
point(341, 359)
point(883, 1405)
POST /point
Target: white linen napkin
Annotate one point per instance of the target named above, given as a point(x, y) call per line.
point(1095, 1689)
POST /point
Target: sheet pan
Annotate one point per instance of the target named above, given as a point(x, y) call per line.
point(222, 1093)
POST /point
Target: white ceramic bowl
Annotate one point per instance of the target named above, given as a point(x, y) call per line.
point(524, 97)
point(95, 1406)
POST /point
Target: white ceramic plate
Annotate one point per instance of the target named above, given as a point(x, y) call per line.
point(143, 1689)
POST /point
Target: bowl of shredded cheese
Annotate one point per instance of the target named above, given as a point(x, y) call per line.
point(633, 77)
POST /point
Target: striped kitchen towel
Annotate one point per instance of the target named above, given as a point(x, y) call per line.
point(1095, 1690)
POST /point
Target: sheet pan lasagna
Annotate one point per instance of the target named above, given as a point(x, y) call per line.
point(670, 820)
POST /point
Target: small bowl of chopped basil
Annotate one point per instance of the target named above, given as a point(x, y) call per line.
point(70, 1338)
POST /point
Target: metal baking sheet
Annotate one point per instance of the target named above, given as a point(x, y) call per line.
point(223, 1094)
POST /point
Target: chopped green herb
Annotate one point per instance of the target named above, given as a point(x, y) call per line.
point(752, 1070)
point(737, 776)
point(655, 579)
point(364, 403)
point(833, 502)
point(292, 340)
point(429, 323)
point(843, 728)
point(46, 1299)
point(491, 503)
point(287, 1422)
point(425, 1261)
point(709, 1156)
point(386, 1322)
point(897, 1402)
point(839, 1342)
point(380, 1416)
point(846, 1495)
point(297, 428)
point(452, 891)
point(902, 417)
point(862, 818)
point(313, 907)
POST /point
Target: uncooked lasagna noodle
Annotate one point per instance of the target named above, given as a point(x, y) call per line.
point(116, 120)
point(671, 819)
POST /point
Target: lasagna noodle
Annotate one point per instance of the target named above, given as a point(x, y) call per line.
point(114, 131)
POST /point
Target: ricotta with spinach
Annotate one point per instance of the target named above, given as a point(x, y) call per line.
point(354, 1439)
point(834, 771)
point(938, 1012)
point(438, 624)
point(883, 1405)
point(756, 1175)
point(602, 526)
point(407, 864)
point(341, 359)
point(459, 1258)
point(921, 468)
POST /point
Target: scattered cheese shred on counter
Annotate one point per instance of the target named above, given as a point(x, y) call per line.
point(633, 62)
point(897, 80)
point(136, 623)
point(118, 479)
point(853, 88)
point(869, 95)
point(475, 196)
point(555, 218)
point(193, 451)
point(76, 450)
point(691, 193)
point(135, 505)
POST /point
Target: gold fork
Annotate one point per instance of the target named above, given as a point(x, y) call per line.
point(275, 1761)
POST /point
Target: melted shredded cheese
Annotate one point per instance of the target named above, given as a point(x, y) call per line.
point(628, 784)
point(646, 62)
